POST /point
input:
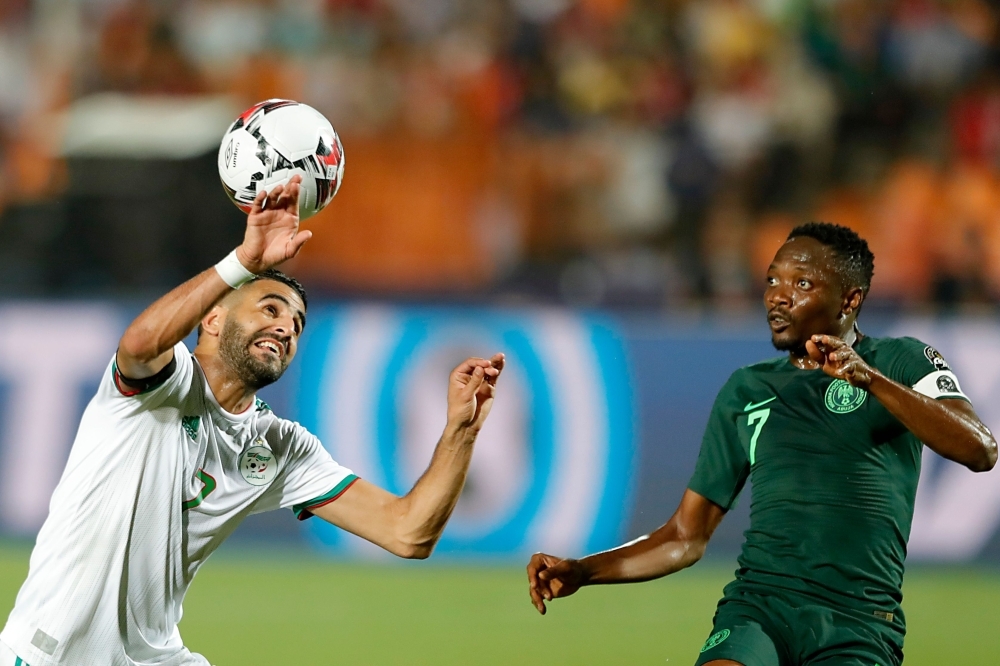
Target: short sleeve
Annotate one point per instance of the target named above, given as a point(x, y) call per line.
point(171, 385)
point(309, 476)
point(921, 367)
point(723, 467)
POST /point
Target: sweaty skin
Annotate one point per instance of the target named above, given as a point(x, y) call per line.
point(812, 315)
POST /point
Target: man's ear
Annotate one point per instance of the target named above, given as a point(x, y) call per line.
point(211, 323)
point(852, 301)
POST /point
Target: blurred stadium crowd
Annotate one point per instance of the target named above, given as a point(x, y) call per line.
point(595, 152)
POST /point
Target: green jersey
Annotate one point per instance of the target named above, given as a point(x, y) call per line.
point(834, 474)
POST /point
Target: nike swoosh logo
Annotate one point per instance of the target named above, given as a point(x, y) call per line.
point(751, 405)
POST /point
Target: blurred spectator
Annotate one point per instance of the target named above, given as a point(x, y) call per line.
point(602, 152)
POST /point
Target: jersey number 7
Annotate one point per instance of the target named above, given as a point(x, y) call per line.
point(760, 418)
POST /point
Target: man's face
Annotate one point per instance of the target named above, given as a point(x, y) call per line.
point(261, 332)
point(804, 294)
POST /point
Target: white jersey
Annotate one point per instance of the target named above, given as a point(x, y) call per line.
point(154, 483)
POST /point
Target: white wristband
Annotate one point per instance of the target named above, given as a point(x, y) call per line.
point(233, 272)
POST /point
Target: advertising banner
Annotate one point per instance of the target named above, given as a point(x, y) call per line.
point(553, 466)
point(591, 441)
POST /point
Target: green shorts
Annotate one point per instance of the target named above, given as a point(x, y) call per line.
point(761, 628)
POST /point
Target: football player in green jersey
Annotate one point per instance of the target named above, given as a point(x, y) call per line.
point(831, 436)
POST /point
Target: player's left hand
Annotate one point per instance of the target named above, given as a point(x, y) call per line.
point(838, 359)
point(471, 389)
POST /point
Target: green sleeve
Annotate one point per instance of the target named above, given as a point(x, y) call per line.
point(918, 365)
point(723, 466)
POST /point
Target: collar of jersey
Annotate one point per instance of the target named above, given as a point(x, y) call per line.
point(242, 417)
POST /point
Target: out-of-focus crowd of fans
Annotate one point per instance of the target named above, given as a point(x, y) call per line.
point(645, 152)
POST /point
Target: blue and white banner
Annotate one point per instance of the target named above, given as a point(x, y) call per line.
point(957, 513)
point(592, 439)
point(553, 466)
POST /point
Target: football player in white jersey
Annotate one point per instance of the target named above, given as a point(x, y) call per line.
point(175, 450)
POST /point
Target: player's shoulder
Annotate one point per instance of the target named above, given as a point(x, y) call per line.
point(751, 375)
point(904, 348)
point(765, 367)
point(284, 431)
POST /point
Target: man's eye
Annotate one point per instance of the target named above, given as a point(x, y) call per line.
point(271, 310)
point(805, 284)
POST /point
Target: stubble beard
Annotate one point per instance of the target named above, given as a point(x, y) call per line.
point(786, 345)
point(234, 349)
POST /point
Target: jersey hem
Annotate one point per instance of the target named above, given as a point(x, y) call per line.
point(24, 650)
point(303, 511)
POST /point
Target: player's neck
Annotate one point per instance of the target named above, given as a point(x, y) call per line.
point(230, 392)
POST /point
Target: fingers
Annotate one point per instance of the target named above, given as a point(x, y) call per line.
point(283, 196)
point(490, 368)
point(475, 382)
point(258, 202)
point(828, 343)
point(300, 239)
point(496, 363)
point(290, 196)
point(828, 349)
point(553, 572)
point(840, 355)
point(536, 600)
point(468, 365)
point(535, 565)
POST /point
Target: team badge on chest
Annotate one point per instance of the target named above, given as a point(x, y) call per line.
point(258, 464)
point(842, 398)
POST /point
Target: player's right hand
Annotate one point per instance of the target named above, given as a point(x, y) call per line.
point(471, 389)
point(551, 577)
point(273, 234)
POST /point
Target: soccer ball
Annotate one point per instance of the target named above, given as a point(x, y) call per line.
point(274, 140)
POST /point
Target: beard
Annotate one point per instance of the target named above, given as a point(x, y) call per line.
point(784, 345)
point(234, 348)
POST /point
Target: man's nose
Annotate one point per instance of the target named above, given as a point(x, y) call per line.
point(777, 295)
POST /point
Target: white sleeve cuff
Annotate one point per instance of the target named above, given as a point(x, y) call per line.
point(940, 384)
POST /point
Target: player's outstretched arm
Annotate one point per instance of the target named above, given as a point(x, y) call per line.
point(676, 545)
point(411, 525)
point(272, 236)
point(951, 428)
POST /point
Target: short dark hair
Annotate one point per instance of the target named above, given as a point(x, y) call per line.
point(855, 261)
point(278, 276)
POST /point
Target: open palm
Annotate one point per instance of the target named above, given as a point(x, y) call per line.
point(273, 234)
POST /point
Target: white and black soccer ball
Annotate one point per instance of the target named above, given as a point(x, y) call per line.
point(274, 140)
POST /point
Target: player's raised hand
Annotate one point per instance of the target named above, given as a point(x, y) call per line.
point(273, 234)
point(838, 359)
point(551, 577)
point(471, 389)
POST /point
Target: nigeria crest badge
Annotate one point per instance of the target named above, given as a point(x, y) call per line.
point(715, 639)
point(842, 398)
point(258, 464)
